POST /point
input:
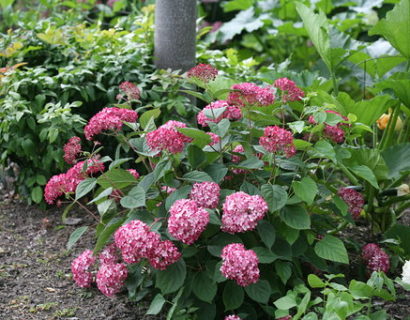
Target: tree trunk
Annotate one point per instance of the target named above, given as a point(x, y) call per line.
point(175, 34)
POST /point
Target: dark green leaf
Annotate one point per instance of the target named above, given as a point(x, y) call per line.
point(332, 248)
point(204, 287)
point(259, 291)
point(232, 296)
point(172, 279)
point(196, 176)
point(156, 304)
point(134, 199)
point(75, 236)
point(267, 233)
point(296, 217)
point(275, 196)
point(85, 187)
point(306, 189)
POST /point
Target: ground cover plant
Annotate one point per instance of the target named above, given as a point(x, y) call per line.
point(269, 193)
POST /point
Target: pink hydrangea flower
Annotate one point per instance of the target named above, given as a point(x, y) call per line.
point(250, 94)
point(111, 278)
point(290, 91)
point(232, 317)
point(206, 194)
point(240, 264)
point(72, 149)
point(334, 133)
point(167, 189)
point(241, 212)
point(278, 140)
point(380, 261)
point(56, 187)
point(130, 89)
point(187, 220)
point(108, 119)
point(215, 138)
point(134, 173)
point(164, 254)
point(136, 241)
point(204, 72)
point(236, 159)
point(231, 113)
point(166, 137)
point(354, 200)
point(79, 268)
point(369, 250)
point(109, 255)
point(285, 318)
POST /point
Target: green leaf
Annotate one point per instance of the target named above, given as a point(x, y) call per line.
point(148, 115)
point(134, 199)
point(105, 235)
point(200, 138)
point(365, 173)
point(37, 194)
point(315, 282)
point(250, 163)
point(368, 111)
point(332, 248)
point(117, 163)
point(232, 296)
point(116, 178)
point(324, 149)
point(216, 171)
point(259, 291)
point(5, 3)
point(237, 5)
point(396, 27)
point(275, 196)
point(287, 302)
point(265, 255)
point(397, 159)
point(172, 279)
point(296, 217)
point(103, 194)
point(85, 187)
point(156, 304)
point(197, 176)
point(306, 189)
point(196, 156)
point(400, 85)
point(204, 287)
point(283, 270)
point(221, 240)
point(360, 290)
point(181, 193)
point(267, 233)
point(75, 236)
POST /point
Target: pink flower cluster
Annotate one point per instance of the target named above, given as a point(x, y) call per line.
point(354, 200)
point(71, 150)
point(111, 277)
point(231, 113)
point(131, 90)
point(232, 317)
point(334, 133)
point(68, 182)
point(240, 264)
point(204, 72)
point(376, 258)
point(80, 269)
point(276, 139)
point(290, 91)
point(109, 254)
point(241, 212)
point(250, 94)
point(134, 173)
point(206, 194)
point(187, 220)
point(236, 159)
point(215, 138)
point(108, 119)
point(136, 241)
point(285, 318)
point(166, 137)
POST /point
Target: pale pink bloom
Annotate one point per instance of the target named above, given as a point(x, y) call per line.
point(187, 220)
point(111, 277)
point(241, 212)
point(240, 264)
point(79, 268)
point(130, 89)
point(206, 194)
point(232, 317)
point(231, 113)
point(134, 173)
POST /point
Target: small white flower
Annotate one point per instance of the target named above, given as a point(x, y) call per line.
point(406, 272)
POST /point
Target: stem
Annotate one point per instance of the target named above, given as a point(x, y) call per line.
point(351, 177)
point(388, 134)
point(335, 87)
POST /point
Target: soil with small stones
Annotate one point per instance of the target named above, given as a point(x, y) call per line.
point(35, 276)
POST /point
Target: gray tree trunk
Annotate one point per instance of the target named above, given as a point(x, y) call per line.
point(175, 34)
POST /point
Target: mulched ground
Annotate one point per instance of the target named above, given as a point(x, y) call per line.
point(35, 277)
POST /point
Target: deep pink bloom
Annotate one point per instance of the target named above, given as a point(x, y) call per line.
point(231, 113)
point(134, 173)
point(334, 133)
point(187, 220)
point(215, 138)
point(109, 254)
point(290, 91)
point(56, 187)
point(108, 119)
point(72, 149)
point(232, 317)
point(130, 89)
point(164, 254)
point(278, 140)
point(206, 194)
point(136, 241)
point(204, 72)
point(79, 268)
point(369, 250)
point(241, 212)
point(111, 278)
point(240, 264)
point(166, 137)
point(250, 94)
point(353, 199)
point(380, 261)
